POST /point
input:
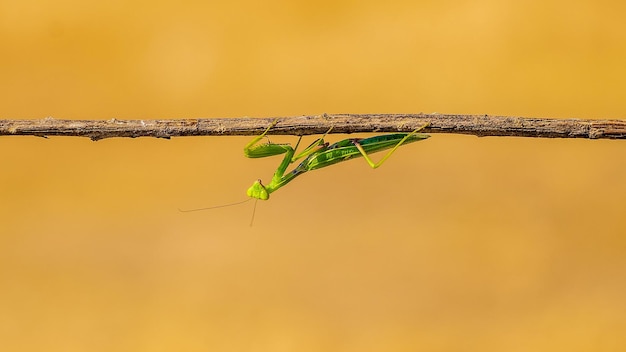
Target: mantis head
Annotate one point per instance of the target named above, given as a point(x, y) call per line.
point(258, 191)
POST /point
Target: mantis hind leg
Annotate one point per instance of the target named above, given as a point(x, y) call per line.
point(381, 161)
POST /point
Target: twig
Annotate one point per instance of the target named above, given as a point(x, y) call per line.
point(479, 125)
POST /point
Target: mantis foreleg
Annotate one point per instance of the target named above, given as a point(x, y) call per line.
point(253, 150)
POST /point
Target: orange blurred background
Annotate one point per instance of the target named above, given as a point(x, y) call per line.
point(456, 243)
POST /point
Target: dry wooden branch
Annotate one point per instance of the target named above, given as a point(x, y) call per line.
point(479, 125)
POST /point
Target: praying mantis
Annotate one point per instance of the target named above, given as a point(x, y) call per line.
point(320, 154)
point(316, 156)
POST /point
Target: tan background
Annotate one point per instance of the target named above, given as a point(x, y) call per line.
point(457, 243)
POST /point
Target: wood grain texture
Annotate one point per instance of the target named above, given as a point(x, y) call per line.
point(478, 125)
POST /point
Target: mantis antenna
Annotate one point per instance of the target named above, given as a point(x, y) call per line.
point(223, 206)
point(214, 207)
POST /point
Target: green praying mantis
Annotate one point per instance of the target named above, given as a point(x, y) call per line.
point(320, 154)
point(316, 156)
